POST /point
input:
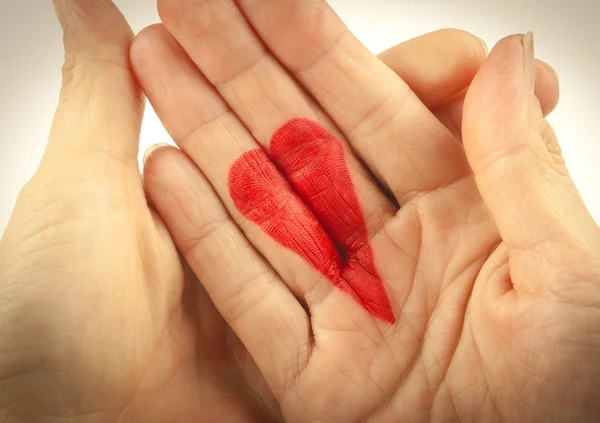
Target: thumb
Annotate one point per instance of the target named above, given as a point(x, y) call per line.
point(101, 106)
point(516, 158)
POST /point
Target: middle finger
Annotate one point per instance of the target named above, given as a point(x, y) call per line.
point(260, 92)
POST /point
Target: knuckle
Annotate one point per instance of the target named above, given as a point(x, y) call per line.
point(550, 140)
point(246, 300)
point(78, 80)
point(199, 236)
point(71, 80)
point(91, 13)
point(32, 197)
point(68, 68)
point(204, 20)
point(92, 18)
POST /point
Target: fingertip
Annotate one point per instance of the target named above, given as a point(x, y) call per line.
point(142, 45)
point(162, 163)
point(457, 36)
point(153, 50)
point(159, 159)
point(60, 11)
point(437, 65)
point(484, 46)
point(549, 69)
point(98, 84)
point(168, 170)
point(547, 86)
point(141, 50)
point(152, 149)
point(84, 19)
point(471, 45)
point(493, 95)
point(478, 46)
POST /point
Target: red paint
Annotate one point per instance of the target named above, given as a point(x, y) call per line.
point(308, 204)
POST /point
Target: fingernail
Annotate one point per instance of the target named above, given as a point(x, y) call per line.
point(152, 149)
point(528, 49)
point(484, 45)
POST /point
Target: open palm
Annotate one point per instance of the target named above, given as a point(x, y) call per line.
point(469, 302)
point(103, 323)
point(102, 320)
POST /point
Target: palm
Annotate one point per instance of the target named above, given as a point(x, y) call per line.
point(465, 346)
point(144, 338)
point(145, 342)
point(177, 353)
point(290, 211)
point(141, 338)
point(428, 254)
point(398, 373)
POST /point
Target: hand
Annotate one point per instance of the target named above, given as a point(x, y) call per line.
point(99, 319)
point(476, 301)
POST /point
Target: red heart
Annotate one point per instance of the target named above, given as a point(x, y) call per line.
point(309, 205)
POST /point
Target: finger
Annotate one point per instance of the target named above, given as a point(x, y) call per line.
point(101, 107)
point(204, 127)
point(273, 106)
point(145, 157)
point(546, 90)
point(311, 221)
point(397, 137)
point(546, 86)
point(249, 295)
point(516, 159)
point(438, 65)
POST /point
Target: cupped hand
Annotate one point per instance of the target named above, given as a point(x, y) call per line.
point(376, 266)
point(99, 320)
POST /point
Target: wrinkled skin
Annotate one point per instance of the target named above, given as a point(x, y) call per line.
point(491, 263)
point(99, 319)
point(493, 274)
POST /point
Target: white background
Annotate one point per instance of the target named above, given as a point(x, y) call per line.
point(566, 33)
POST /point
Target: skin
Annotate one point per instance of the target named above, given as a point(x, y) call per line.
point(101, 321)
point(491, 263)
point(288, 192)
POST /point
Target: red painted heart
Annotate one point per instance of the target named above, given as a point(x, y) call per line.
point(308, 204)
